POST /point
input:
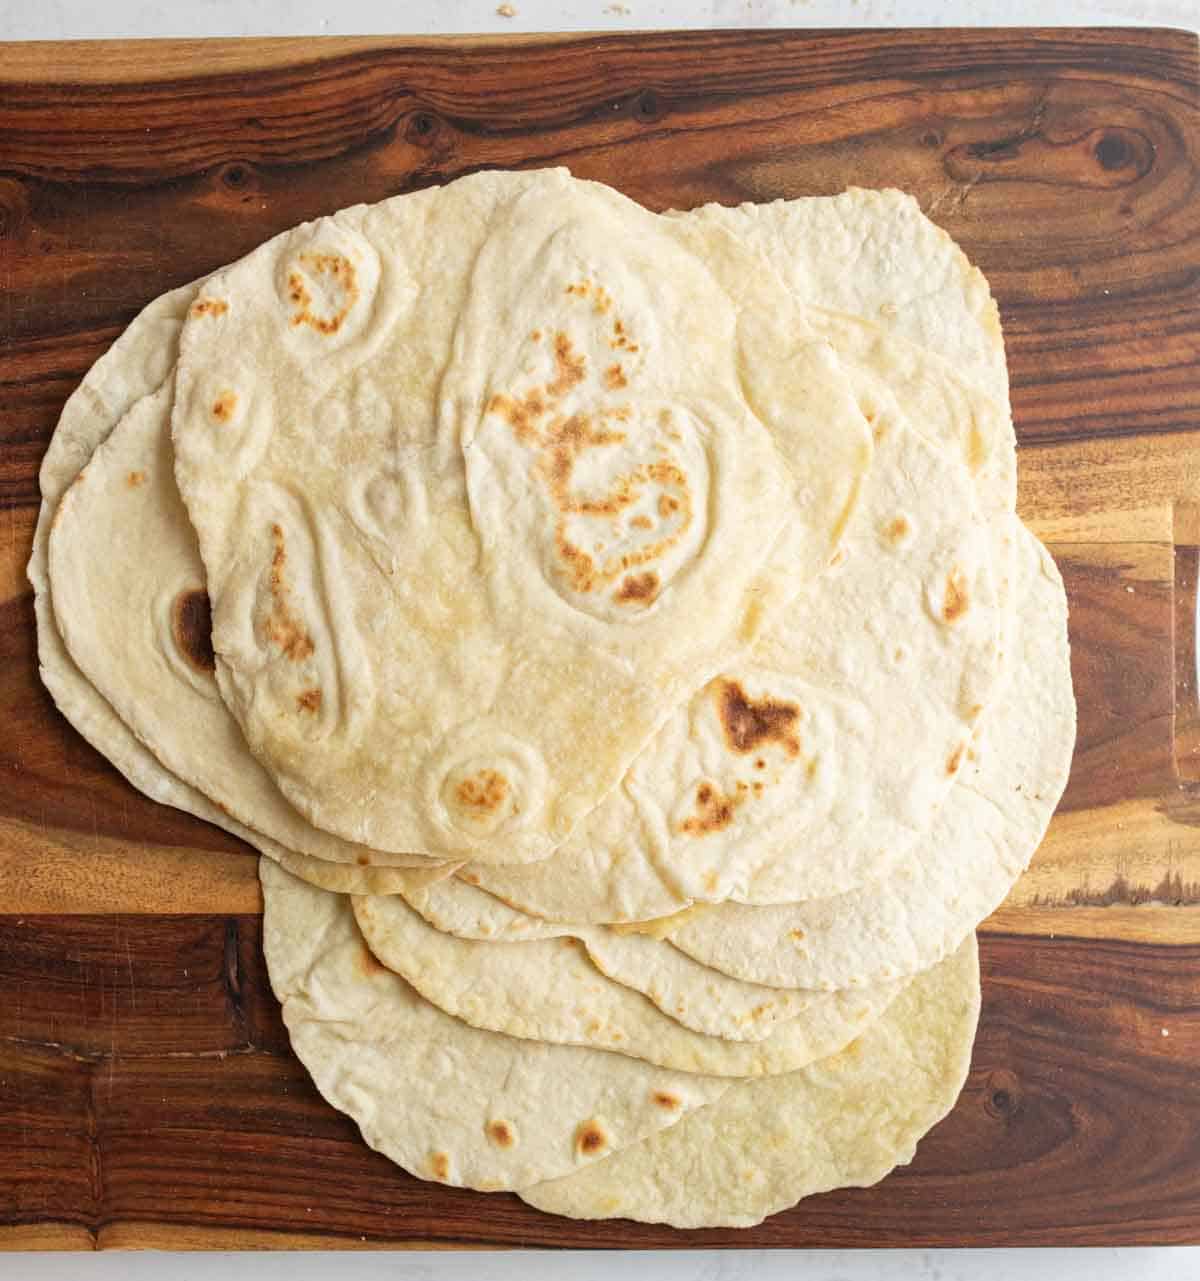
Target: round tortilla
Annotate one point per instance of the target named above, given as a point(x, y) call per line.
point(764, 1145)
point(462, 569)
point(784, 779)
point(129, 601)
point(447, 1101)
point(549, 991)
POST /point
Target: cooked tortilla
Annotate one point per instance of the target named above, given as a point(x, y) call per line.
point(486, 480)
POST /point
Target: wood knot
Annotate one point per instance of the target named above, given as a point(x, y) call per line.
point(1002, 1096)
point(647, 107)
point(422, 128)
point(236, 176)
point(1112, 151)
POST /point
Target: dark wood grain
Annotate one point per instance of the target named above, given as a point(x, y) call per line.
point(1077, 1123)
point(147, 1094)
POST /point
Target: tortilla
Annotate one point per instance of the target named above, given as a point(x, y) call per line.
point(548, 991)
point(486, 479)
point(784, 778)
point(875, 255)
point(130, 603)
point(444, 1100)
point(764, 1145)
point(982, 841)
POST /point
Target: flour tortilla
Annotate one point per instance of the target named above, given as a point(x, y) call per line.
point(548, 991)
point(444, 1100)
point(982, 841)
point(124, 565)
point(405, 551)
point(132, 368)
point(764, 1145)
point(690, 993)
point(875, 255)
point(906, 630)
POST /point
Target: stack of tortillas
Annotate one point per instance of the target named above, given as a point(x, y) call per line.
point(623, 650)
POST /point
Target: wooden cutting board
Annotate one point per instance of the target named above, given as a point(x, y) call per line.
point(147, 1093)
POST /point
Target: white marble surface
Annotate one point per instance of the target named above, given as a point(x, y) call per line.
point(67, 19)
point(692, 1265)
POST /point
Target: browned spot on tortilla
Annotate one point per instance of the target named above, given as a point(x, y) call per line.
point(641, 522)
point(714, 811)
point(135, 479)
point(569, 367)
point(665, 1100)
point(439, 1165)
point(536, 336)
point(602, 301)
point(521, 414)
point(748, 723)
point(620, 339)
point(955, 759)
point(837, 557)
point(590, 1138)
point(757, 787)
point(224, 405)
point(898, 656)
point(752, 620)
point(614, 378)
point(484, 792)
point(711, 882)
point(209, 307)
point(367, 962)
point(282, 627)
point(974, 711)
point(341, 272)
point(364, 860)
point(638, 589)
point(501, 1134)
point(896, 530)
point(810, 770)
point(580, 290)
point(191, 626)
point(955, 604)
point(976, 448)
point(668, 504)
point(797, 936)
point(309, 701)
point(760, 763)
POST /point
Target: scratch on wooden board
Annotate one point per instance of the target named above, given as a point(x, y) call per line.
point(1171, 891)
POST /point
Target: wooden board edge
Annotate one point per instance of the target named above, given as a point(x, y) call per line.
point(127, 62)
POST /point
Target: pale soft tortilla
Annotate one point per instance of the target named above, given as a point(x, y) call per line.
point(549, 991)
point(122, 557)
point(425, 553)
point(442, 1099)
point(905, 630)
point(764, 1145)
point(875, 255)
point(981, 841)
point(132, 368)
